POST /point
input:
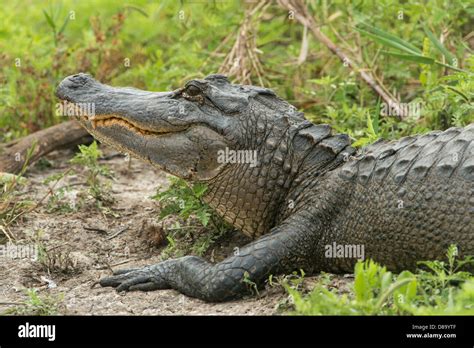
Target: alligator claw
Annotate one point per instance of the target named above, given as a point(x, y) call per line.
point(142, 279)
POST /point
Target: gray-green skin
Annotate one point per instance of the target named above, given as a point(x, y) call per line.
point(404, 201)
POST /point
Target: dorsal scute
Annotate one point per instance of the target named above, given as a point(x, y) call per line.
point(416, 157)
point(316, 133)
point(336, 143)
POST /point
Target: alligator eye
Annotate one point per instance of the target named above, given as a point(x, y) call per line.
point(192, 91)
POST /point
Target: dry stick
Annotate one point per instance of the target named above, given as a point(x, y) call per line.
point(121, 262)
point(94, 229)
point(300, 12)
point(70, 133)
point(117, 233)
point(4, 231)
point(304, 47)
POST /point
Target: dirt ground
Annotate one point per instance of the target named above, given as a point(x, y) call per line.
point(89, 243)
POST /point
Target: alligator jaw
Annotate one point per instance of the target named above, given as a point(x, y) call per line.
point(109, 120)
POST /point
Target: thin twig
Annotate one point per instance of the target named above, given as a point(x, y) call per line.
point(95, 229)
point(10, 238)
point(121, 262)
point(117, 233)
point(300, 12)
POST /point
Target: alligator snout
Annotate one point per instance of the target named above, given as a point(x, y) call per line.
point(130, 108)
point(72, 84)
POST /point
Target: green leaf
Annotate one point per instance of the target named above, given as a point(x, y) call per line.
point(362, 281)
point(455, 90)
point(199, 190)
point(376, 118)
point(66, 21)
point(6, 178)
point(50, 21)
point(386, 281)
point(370, 127)
point(412, 57)
point(383, 34)
point(388, 40)
point(449, 56)
point(406, 291)
point(203, 216)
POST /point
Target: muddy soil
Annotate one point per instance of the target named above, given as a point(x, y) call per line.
point(85, 244)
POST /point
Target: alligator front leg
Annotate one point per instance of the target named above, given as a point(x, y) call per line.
point(287, 248)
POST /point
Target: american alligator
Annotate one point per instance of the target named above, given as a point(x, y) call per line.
point(310, 191)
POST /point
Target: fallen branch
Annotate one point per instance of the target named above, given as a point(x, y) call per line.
point(300, 12)
point(66, 134)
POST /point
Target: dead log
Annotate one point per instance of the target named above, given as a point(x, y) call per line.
point(63, 135)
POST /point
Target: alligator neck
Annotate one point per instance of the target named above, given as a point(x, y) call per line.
point(319, 152)
point(254, 199)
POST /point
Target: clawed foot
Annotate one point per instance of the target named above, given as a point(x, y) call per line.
point(142, 279)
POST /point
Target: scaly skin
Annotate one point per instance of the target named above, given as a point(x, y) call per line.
point(403, 201)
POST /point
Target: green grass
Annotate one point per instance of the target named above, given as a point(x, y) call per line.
point(37, 304)
point(440, 288)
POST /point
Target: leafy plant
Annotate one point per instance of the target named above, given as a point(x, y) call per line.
point(37, 304)
point(409, 51)
point(442, 289)
point(370, 134)
point(251, 285)
point(88, 158)
point(183, 203)
point(184, 199)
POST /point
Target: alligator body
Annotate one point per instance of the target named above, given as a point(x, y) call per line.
point(307, 199)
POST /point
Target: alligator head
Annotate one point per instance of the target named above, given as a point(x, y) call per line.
point(238, 139)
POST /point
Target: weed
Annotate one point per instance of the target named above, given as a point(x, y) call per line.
point(88, 158)
point(196, 226)
point(36, 304)
point(251, 285)
point(440, 290)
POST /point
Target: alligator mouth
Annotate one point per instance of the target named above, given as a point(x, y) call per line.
point(111, 120)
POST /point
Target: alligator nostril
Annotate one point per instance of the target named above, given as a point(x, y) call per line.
point(77, 80)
